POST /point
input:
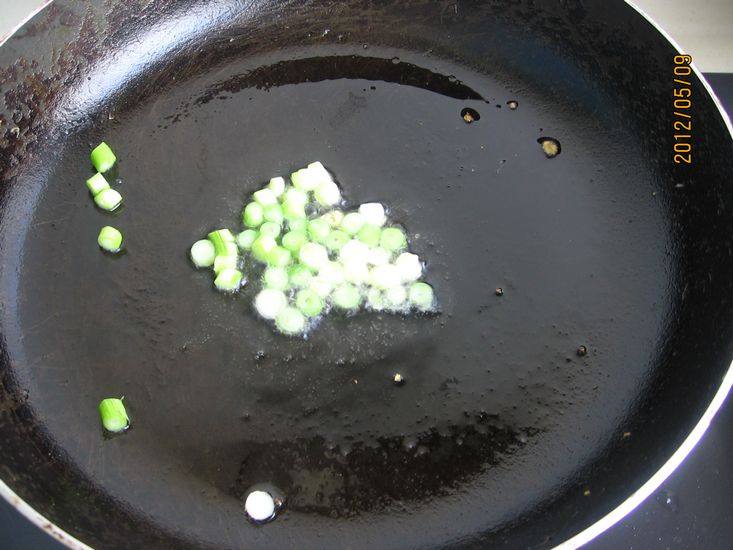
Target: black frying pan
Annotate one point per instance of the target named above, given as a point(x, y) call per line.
point(503, 435)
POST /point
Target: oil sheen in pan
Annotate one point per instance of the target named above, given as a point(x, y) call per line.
point(491, 381)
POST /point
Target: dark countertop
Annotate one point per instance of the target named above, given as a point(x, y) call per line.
point(691, 509)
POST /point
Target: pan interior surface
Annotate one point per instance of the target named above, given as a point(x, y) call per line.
point(500, 413)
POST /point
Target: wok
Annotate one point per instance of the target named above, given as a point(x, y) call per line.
point(505, 434)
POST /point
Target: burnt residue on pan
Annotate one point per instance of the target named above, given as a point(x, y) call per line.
point(345, 482)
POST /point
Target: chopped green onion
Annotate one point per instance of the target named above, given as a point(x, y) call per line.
point(385, 276)
point(375, 299)
point(370, 235)
point(114, 416)
point(356, 272)
point(108, 199)
point(300, 276)
point(304, 179)
point(246, 238)
point(352, 223)
point(290, 321)
point(253, 215)
point(228, 280)
point(333, 218)
point(327, 193)
point(295, 197)
point(263, 245)
point(393, 238)
point(203, 253)
point(219, 239)
point(270, 302)
point(309, 303)
point(354, 250)
point(293, 240)
point(332, 272)
point(395, 297)
point(320, 286)
point(336, 240)
point(264, 197)
point(298, 224)
point(274, 213)
point(313, 255)
point(231, 249)
point(293, 211)
point(275, 277)
point(409, 266)
point(102, 157)
point(378, 256)
point(277, 186)
point(279, 257)
point(270, 228)
point(422, 296)
point(225, 262)
point(110, 239)
point(96, 184)
point(346, 296)
point(318, 230)
point(373, 213)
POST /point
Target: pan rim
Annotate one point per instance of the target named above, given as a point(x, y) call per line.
point(585, 536)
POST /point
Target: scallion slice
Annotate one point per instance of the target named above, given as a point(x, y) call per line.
point(275, 277)
point(277, 186)
point(264, 197)
point(270, 302)
point(97, 183)
point(203, 253)
point(327, 193)
point(370, 235)
point(228, 280)
point(246, 238)
point(309, 303)
point(108, 199)
point(421, 296)
point(352, 223)
point(224, 262)
point(318, 230)
point(270, 228)
point(279, 257)
point(336, 240)
point(300, 276)
point(393, 239)
point(290, 321)
point(293, 240)
point(373, 213)
point(110, 239)
point(102, 157)
point(333, 218)
point(219, 239)
point(346, 297)
point(395, 297)
point(263, 245)
point(253, 215)
point(409, 266)
point(385, 276)
point(313, 255)
point(114, 416)
point(274, 213)
point(298, 224)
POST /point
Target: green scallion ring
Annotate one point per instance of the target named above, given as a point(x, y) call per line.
point(203, 253)
point(110, 239)
point(114, 416)
point(97, 183)
point(102, 157)
point(108, 199)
